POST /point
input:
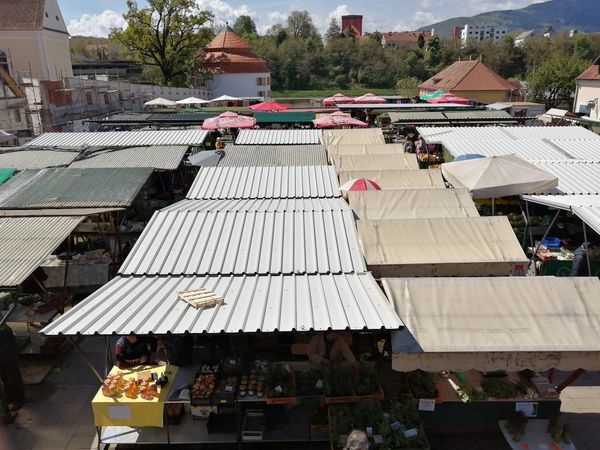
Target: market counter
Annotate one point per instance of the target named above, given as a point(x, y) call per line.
point(133, 412)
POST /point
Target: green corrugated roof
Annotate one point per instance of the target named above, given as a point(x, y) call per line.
point(284, 117)
point(6, 173)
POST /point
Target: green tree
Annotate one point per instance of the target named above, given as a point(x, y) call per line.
point(168, 34)
point(408, 87)
point(554, 81)
point(421, 41)
point(244, 25)
point(333, 31)
point(300, 24)
point(433, 55)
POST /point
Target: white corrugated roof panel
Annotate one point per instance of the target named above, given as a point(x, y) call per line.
point(574, 176)
point(273, 155)
point(564, 201)
point(252, 303)
point(159, 157)
point(22, 158)
point(25, 242)
point(278, 137)
point(262, 204)
point(496, 147)
point(265, 182)
point(590, 215)
point(246, 243)
point(437, 134)
point(583, 149)
point(120, 138)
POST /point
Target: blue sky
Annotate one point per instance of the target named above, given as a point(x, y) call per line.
point(95, 18)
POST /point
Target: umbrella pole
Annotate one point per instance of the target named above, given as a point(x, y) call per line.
point(493, 206)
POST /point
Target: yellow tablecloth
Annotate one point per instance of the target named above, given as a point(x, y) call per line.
point(136, 412)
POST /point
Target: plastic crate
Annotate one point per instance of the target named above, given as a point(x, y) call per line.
point(551, 242)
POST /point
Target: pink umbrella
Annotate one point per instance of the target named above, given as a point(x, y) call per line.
point(359, 184)
point(337, 99)
point(228, 120)
point(268, 106)
point(338, 120)
point(449, 98)
point(369, 98)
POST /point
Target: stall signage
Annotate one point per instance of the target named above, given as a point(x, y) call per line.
point(427, 404)
point(369, 431)
point(119, 413)
point(395, 425)
point(529, 409)
point(319, 384)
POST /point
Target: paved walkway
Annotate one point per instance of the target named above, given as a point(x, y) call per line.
point(58, 413)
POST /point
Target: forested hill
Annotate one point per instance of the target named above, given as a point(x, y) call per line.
point(561, 15)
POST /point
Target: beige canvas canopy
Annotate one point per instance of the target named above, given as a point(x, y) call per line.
point(412, 204)
point(507, 323)
point(365, 149)
point(401, 161)
point(398, 179)
point(353, 136)
point(448, 247)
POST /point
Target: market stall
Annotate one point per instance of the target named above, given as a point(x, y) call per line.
point(353, 136)
point(365, 149)
point(446, 247)
point(398, 179)
point(400, 161)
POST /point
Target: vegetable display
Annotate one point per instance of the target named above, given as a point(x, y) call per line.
point(422, 384)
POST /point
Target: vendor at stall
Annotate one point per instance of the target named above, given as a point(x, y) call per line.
point(580, 256)
point(135, 350)
point(357, 440)
point(330, 348)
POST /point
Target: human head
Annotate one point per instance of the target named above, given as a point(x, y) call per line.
point(357, 440)
point(132, 338)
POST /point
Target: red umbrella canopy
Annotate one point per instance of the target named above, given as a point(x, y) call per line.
point(359, 184)
point(449, 98)
point(228, 120)
point(369, 98)
point(337, 99)
point(338, 120)
point(268, 106)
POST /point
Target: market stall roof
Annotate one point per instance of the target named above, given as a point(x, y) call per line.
point(412, 204)
point(400, 161)
point(6, 173)
point(120, 138)
point(159, 157)
point(62, 212)
point(225, 98)
point(160, 101)
point(278, 137)
point(5, 136)
point(273, 155)
point(29, 158)
point(284, 117)
point(262, 204)
point(365, 149)
point(402, 106)
point(228, 120)
point(449, 117)
point(457, 246)
point(353, 136)
point(417, 117)
point(436, 134)
point(73, 188)
point(245, 243)
point(192, 101)
point(566, 202)
point(338, 119)
point(265, 182)
point(252, 304)
point(25, 242)
point(529, 151)
point(398, 179)
point(574, 176)
point(471, 317)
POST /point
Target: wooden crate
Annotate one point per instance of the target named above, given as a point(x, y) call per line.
point(253, 426)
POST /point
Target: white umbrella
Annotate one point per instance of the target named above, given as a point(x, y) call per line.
point(225, 98)
point(160, 102)
point(192, 101)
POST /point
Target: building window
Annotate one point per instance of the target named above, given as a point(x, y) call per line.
point(17, 114)
point(88, 97)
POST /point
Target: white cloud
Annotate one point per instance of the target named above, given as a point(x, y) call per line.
point(96, 24)
point(224, 12)
point(419, 19)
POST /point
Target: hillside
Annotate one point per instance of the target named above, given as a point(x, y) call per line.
point(561, 15)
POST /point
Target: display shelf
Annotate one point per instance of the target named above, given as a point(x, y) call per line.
point(190, 431)
point(129, 435)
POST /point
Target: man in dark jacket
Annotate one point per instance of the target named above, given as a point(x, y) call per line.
point(14, 390)
point(580, 265)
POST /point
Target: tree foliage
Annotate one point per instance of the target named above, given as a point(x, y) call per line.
point(168, 34)
point(244, 26)
point(300, 25)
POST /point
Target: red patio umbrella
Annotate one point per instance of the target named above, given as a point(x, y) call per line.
point(268, 106)
point(449, 98)
point(228, 120)
point(370, 98)
point(337, 99)
point(338, 120)
point(359, 184)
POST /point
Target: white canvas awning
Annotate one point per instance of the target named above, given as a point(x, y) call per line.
point(353, 136)
point(400, 161)
point(412, 204)
point(508, 323)
point(458, 246)
point(192, 101)
point(225, 98)
point(398, 179)
point(365, 149)
point(160, 102)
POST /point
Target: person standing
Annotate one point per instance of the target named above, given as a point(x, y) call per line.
point(14, 389)
point(580, 265)
point(132, 350)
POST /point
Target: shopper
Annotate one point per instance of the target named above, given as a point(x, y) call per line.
point(330, 348)
point(357, 440)
point(135, 350)
point(14, 390)
point(580, 261)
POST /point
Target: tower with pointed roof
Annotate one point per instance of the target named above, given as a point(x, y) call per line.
point(234, 67)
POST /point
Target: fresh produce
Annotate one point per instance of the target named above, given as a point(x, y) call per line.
point(422, 384)
point(515, 424)
point(226, 385)
point(173, 411)
point(366, 379)
point(338, 383)
point(473, 393)
point(499, 387)
point(203, 386)
point(309, 382)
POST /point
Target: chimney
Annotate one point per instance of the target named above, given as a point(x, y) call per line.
point(355, 21)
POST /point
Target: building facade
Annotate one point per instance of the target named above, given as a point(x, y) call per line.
point(587, 94)
point(481, 32)
point(399, 39)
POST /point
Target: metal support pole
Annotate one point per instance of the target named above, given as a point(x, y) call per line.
point(85, 359)
point(587, 253)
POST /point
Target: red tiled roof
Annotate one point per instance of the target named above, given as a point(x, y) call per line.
point(591, 73)
point(22, 14)
point(229, 53)
point(228, 40)
point(405, 36)
point(467, 76)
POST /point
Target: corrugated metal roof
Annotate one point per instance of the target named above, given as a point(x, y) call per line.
point(273, 155)
point(262, 204)
point(73, 188)
point(246, 243)
point(180, 117)
point(574, 176)
point(417, 116)
point(564, 201)
point(590, 215)
point(257, 303)
point(124, 118)
point(584, 149)
point(432, 134)
point(160, 157)
point(25, 242)
point(265, 182)
point(477, 115)
point(22, 158)
point(120, 138)
point(531, 150)
point(278, 137)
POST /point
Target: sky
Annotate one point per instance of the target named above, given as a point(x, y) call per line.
point(96, 18)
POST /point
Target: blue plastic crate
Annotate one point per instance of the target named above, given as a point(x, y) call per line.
point(551, 242)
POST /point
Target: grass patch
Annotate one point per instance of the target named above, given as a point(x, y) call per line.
point(322, 93)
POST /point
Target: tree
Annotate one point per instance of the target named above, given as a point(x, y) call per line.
point(408, 87)
point(244, 25)
point(554, 81)
point(333, 31)
point(168, 34)
point(421, 41)
point(433, 56)
point(278, 32)
point(300, 24)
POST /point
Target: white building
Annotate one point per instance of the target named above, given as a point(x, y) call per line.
point(236, 70)
point(521, 38)
point(481, 32)
point(587, 94)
